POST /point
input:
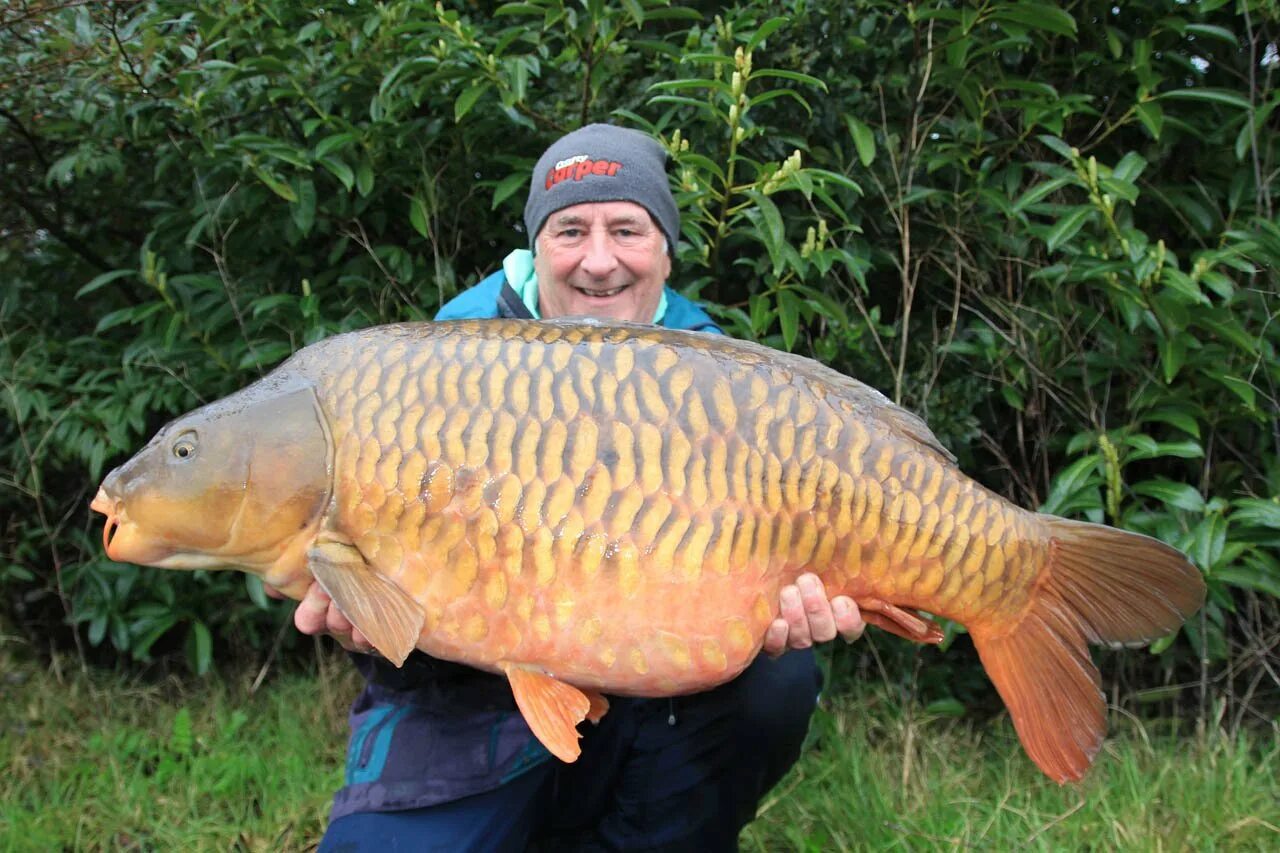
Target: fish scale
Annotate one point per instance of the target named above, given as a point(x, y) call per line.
point(593, 509)
point(654, 429)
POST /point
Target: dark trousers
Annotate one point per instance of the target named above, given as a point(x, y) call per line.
point(655, 774)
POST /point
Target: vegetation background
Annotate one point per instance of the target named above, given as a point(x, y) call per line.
point(1047, 227)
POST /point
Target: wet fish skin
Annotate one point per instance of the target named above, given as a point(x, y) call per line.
point(615, 508)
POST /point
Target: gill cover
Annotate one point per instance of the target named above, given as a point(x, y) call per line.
point(230, 484)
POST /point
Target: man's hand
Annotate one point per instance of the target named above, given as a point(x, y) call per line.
point(317, 614)
point(808, 617)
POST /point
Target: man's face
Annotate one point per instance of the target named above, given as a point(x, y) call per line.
point(603, 259)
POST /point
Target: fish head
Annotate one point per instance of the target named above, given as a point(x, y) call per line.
point(234, 484)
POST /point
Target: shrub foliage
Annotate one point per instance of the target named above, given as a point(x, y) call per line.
point(1048, 227)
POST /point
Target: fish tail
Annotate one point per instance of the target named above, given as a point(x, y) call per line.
point(1099, 585)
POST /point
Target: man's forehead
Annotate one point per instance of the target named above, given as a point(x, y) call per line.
point(611, 212)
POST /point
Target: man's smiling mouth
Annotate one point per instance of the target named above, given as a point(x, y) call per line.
point(601, 294)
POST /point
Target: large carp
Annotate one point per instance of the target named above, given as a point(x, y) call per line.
point(593, 509)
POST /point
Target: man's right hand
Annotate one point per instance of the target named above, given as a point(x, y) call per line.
point(317, 614)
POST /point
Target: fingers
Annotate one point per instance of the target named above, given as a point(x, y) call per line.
point(317, 614)
point(272, 592)
point(793, 613)
point(820, 620)
point(775, 639)
point(808, 617)
point(848, 618)
point(312, 612)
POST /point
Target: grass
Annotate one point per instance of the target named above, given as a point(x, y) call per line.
point(87, 763)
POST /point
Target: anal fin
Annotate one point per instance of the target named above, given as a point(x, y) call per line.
point(553, 708)
point(900, 621)
point(384, 613)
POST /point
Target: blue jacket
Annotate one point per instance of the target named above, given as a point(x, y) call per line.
point(435, 731)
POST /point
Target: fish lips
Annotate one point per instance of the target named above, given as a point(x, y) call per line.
point(122, 539)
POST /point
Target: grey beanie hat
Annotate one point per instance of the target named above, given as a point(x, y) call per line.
point(601, 162)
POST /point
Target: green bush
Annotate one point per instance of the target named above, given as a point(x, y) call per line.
point(1046, 227)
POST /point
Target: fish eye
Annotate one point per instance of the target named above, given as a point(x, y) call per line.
point(185, 445)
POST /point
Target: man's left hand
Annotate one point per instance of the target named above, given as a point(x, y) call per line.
point(808, 617)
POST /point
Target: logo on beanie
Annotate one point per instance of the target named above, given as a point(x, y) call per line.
point(578, 167)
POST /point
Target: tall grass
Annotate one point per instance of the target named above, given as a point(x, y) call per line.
point(90, 763)
point(880, 780)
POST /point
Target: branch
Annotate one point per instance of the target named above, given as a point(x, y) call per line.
point(70, 241)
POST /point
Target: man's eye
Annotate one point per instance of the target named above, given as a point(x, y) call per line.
point(571, 232)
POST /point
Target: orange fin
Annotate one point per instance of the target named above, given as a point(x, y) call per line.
point(552, 708)
point(599, 706)
point(384, 613)
point(900, 621)
point(1100, 585)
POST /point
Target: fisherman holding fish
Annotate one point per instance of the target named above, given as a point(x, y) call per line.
point(590, 508)
point(438, 757)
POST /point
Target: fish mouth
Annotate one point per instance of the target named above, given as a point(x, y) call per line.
point(103, 503)
point(122, 539)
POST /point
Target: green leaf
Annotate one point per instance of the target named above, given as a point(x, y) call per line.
point(507, 187)
point(258, 595)
point(1059, 147)
point(1176, 418)
point(1067, 488)
point(1129, 167)
point(199, 648)
point(468, 99)
point(1173, 354)
point(635, 11)
point(518, 9)
point(863, 139)
point(794, 76)
point(303, 211)
point(418, 216)
point(364, 178)
point(1178, 495)
point(1151, 115)
point(1041, 190)
point(1214, 32)
point(1067, 227)
point(773, 233)
point(99, 281)
point(789, 318)
point(333, 143)
point(764, 31)
point(1249, 577)
point(1240, 387)
point(1257, 512)
point(949, 707)
point(1226, 97)
point(1038, 16)
point(276, 185)
point(339, 170)
point(826, 176)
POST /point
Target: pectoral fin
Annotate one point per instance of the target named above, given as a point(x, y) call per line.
point(553, 709)
point(383, 612)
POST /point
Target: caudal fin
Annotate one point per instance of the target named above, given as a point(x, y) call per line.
point(1101, 585)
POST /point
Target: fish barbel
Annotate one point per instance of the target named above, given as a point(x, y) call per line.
point(593, 508)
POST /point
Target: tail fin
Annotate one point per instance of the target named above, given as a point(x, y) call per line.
point(1101, 585)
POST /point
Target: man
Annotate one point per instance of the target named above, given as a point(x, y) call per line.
point(439, 758)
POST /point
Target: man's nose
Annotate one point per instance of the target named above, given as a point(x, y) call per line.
point(600, 259)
